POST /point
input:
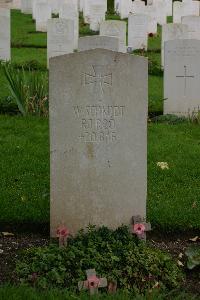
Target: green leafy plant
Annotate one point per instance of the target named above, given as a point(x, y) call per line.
point(29, 89)
point(194, 117)
point(116, 255)
point(169, 119)
point(193, 254)
point(8, 106)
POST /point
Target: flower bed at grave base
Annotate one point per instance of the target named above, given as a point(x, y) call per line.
point(116, 255)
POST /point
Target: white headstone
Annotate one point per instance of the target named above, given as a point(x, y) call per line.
point(173, 32)
point(26, 6)
point(98, 139)
point(43, 14)
point(137, 31)
point(182, 77)
point(97, 41)
point(181, 9)
point(69, 12)
point(87, 5)
point(152, 18)
point(138, 7)
point(116, 29)
point(34, 3)
point(97, 15)
point(124, 8)
point(193, 23)
point(161, 12)
point(60, 37)
point(4, 34)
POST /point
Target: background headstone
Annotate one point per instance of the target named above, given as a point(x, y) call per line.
point(97, 41)
point(4, 34)
point(182, 77)
point(60, 37)
point(193, 23)
point(98, 138)
point(69, 12)
point(172, 32)
point(116, 29)
point(26, 6)
point(137, 31)
point(43, 14)
point(97, 15)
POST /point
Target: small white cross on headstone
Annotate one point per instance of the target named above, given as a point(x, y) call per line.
point(140, 227)
point(93, 283)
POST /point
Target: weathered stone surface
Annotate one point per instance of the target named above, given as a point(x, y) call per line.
point(42, 15)
point(98, 115)
point(182, 77)
point(116, 29)
point(137, 31)
point(98, 42)
point(173, 32)
point(60, 37)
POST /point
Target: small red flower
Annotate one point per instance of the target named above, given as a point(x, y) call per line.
point(62, 231)
point(139, 228)
point(93, 281)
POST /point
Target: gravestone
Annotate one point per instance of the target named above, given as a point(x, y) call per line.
point(97, 41)
point(161, 12)
point(34, 4)
point(182, 77)
point(97, 15)
point(69, 12)
point(193, 23)
point(137, 31)
point(124, 8)
point(26, 6)
point(43, 14)
point(181, 9)
point(173, 32)
point(98, 138)
point(4, 34)
point(138, 7)
point(87, 5)
point(116, 29)
point(60, 37)
point(169, 7)
point(152, 18)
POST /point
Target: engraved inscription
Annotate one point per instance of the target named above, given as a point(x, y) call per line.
point(185, 51)
point(98, 123)
point(99, 79)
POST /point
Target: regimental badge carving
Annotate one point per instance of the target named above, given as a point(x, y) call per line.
point(100, 80)
point(60, 28)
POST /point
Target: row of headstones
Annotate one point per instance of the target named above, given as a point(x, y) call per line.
point(182, 95)
point(158, 10)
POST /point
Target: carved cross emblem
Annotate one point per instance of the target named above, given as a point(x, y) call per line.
point(99, 80)
point(93, 282)
point(185, 76)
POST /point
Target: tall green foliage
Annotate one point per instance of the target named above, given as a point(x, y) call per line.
point(111, 8)
point(29, 89)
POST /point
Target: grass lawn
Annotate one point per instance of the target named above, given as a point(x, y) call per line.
point(173, 195)
point(9, 292)
point(24, 55)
